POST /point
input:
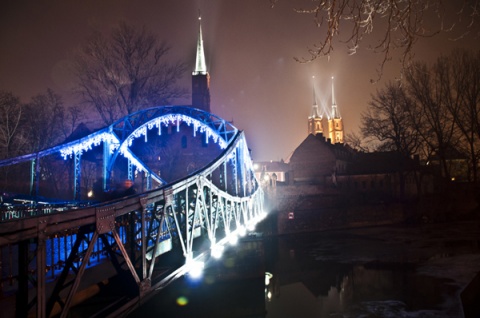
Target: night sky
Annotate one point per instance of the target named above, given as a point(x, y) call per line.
point(249, 47)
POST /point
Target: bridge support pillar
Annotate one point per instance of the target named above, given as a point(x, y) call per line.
point(77, 175)
point(41, 272)
point(130, 170)
point(149, 181)
point(21, 308)
point(34, 175)
point(106, 164)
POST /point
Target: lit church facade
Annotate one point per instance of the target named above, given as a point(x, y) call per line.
point(333, 120)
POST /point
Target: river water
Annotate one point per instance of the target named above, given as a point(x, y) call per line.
point(391, 271)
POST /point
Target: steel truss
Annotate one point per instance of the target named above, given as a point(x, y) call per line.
point(215, 205)
point(116, 140)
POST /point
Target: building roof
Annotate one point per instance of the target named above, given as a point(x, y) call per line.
point(80, 131)
point(273, 166)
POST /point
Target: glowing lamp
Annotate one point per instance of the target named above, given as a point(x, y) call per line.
point(233, 240)
point(217, 251)
point(195, 269)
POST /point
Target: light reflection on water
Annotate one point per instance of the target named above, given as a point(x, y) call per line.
point(337, 274)
point(366, 273)
point(359, 292)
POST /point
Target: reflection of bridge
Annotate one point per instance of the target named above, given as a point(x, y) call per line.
point(150, 238)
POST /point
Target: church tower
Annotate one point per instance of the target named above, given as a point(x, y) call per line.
point(335, 123)
point(315, 119)
point(200, 77)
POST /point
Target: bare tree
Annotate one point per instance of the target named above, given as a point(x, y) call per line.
point(387, 121)
point(44, 117)
point(126, 72)
point(70, 119)
point(388, 124)
point(432, 118)
point(461, 80)
point(398, 23)
point(44, 120)
point(358, 142)
point(11, 111)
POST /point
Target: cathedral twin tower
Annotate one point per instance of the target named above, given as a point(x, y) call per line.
point(334, 121)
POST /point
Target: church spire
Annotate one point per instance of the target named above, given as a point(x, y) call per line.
point(200, 64)
point(314, 112)
point(315, 119)
point(335, 123)
point(334, 104)
point(200, 76)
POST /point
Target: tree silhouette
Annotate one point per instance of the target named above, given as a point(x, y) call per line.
point(126, 72)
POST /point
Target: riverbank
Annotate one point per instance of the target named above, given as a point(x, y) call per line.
point(309, 208)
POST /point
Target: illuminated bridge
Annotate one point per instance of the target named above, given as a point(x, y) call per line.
point(195, 193)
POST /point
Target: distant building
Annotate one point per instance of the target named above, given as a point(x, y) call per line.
point(455, 161)
point(329, 163)
point(187, 152)
point(176, 151)
point(316, 159)
point(271, 173)
point(333, 119)
point(385, 175)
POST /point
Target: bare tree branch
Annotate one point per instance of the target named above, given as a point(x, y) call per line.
point(126, 72)
point(395, 24)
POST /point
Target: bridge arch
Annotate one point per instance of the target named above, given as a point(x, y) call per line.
point(215, 128)
point(116, 140)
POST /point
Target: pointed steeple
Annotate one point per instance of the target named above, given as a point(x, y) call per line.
point(315, 119)
point(335, 113)
point(200, 64)
point(200, 76)
point(335, 123)
point(314, 113)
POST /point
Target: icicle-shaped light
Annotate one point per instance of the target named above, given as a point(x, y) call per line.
point(88, 143)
